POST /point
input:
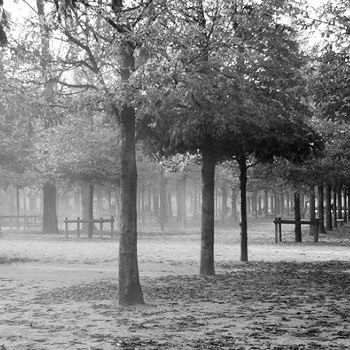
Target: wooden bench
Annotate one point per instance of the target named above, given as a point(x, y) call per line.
point(279, 221)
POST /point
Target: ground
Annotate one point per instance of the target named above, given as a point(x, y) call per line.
point(61, 294)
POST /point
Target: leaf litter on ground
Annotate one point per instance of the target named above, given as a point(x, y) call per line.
point(258, 305)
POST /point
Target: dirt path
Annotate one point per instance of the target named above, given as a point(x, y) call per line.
point(61, 294)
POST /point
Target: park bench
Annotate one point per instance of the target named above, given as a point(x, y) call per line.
point(279, 221)
point(79, 221)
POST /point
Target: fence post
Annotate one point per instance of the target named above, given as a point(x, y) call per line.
point(112, 224)
point(101, 227)
point(276, 230)
point(78, 227)
point(317, 223)
point(280, 229)
point(66, 226)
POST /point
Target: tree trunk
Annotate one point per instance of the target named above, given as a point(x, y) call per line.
point(339, 198)
point(266, 203)
point(320, 192)
point(50, 224)
point(297, 217)
point(208, 201)
point(334, 207)
point(223, 203)
point(244, 223)
point(87, 200)
point(179, 194)
point(130, 292)
point(234, 205)
point(328, 193)
point(313, 229)
point(345, 215)
point(348, 202)
point(17, 207)
point(255, 204)
point(163, 201)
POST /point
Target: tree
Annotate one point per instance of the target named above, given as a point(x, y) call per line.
point(218, 103)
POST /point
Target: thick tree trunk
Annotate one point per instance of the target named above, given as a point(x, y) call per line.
point(297, 217)
point(328, 195)
point(50, 224)
point(87, 200)
point(130, 292)
point(313, 229)
point(207, 223)
point(320, 192)
point(244, 223)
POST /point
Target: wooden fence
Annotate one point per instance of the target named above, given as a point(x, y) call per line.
point(101, 221)
point(20, 222)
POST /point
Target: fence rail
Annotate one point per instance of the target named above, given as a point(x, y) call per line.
point(99, 221)
point(279, 221)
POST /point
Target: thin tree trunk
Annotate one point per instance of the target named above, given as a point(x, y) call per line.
point(266, 203)
point(223, 202)
point(130, 292)
point(163, 201)
point(50, 224)
point(339, 198)
point(345, 193)
point(313, 229)
point(334, 207)
point(244, 223)
point(348, 202)
point(234, 204)
point(87, 200)
point(320, 192)
point(328, 195)
point(17, 207)
point(207, 222)
point(297, 217)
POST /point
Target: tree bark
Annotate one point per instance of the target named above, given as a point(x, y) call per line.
point(50, 224)
point(130, 292)
point(208, 201)
point(244, 223)
point(328, 195)
point(297, 216)
point(320, 192)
